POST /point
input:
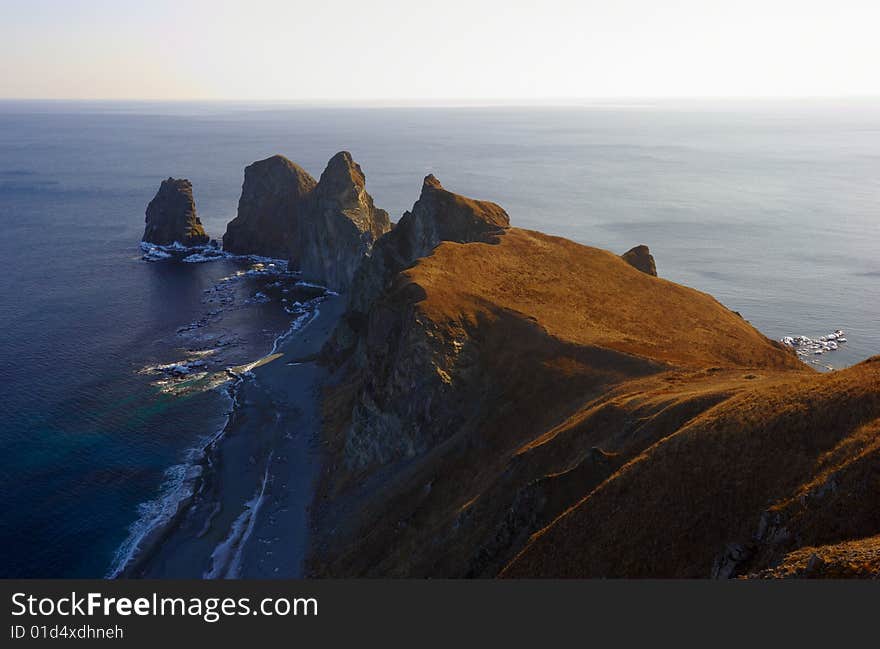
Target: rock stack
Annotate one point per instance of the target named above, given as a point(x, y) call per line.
point(272, 204)
point(324, 228)
point(340, 225)
point(171, 216)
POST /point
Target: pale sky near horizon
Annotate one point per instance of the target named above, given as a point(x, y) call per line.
point(417, 50)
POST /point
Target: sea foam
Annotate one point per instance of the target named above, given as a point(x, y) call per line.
point(182, 481)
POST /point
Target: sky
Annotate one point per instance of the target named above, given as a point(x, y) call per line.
point(418, 50)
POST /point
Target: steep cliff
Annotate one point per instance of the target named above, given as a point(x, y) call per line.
point(273, 199)
point(438, 215)
point(340, 226)
point(494, 383)
point(171, 216)
point(324, 228)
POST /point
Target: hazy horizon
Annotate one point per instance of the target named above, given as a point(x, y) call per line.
point(558, 51)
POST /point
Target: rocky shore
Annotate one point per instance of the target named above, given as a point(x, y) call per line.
point(480, 400)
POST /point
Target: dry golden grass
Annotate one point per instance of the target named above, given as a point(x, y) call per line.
point(588, 296)
point(859, 559)
point(672, 509)
point(637, 425)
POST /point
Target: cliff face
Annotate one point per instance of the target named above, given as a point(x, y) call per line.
point(324, 228)
point(341, 225)
point(273, 199)
point(509, 384)
point(171, 216)
point(438, 215)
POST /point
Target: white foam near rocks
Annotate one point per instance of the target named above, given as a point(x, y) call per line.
point(807, 347)
point(155, 253)
point(202, 257)
point(209, 252)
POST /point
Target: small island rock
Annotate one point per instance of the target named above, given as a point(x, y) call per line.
point(171, 216)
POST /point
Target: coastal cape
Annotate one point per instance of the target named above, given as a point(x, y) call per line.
point(495, 401)
point(511, 403)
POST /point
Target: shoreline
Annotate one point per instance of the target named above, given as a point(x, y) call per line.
point(219, 509)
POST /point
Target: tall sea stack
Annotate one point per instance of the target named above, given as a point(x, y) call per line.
point(171, 216)
point(342, 225)
point(271, 207)
point(324, 228)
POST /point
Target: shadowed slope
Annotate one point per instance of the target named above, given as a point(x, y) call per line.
point(790, 463)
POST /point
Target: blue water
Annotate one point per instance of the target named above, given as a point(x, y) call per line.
point(772, 208)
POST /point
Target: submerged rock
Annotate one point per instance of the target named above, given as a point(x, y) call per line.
point(340, 225)
point(171, 216)
point(641, 259)
point(273, 198)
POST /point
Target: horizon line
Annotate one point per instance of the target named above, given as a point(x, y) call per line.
point(452, 101)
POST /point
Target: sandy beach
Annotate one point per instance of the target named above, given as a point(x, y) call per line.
point(249, 516)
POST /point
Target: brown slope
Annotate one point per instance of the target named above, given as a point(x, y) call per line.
point(496, 384)
point(589, 296)
point(858, 559)
point(788, 464)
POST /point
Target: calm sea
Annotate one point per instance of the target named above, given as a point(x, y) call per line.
point(772, 208)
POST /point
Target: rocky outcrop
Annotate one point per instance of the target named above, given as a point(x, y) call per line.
point(273, 203)
point(437, 216)
point(339, 226)
point(171, 216)
point(640, 257)
point(440, 215)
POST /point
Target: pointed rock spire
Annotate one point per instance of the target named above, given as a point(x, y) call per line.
point(342, 225)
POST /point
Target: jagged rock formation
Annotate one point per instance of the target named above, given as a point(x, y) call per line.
point(438, 215)
point(340, 226)
point(171, 216)
point(640, 257)
point(527, 406)
point(323, 228)
point(272, 204)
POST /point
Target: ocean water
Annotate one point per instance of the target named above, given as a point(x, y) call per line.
point(773, 208)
